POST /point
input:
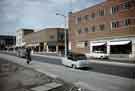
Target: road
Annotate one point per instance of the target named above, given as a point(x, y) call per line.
point(122, 71)
point(94, 81)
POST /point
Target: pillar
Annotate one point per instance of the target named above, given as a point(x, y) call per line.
point(57, 50)
point(47, 49)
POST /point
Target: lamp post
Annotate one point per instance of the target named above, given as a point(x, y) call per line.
point(65, 32)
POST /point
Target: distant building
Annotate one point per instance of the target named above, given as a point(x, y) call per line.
point(7, 41)
point(20, 36)
point(108, 27)
point(46, 40)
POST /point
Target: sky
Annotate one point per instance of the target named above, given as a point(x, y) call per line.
point(37, 14)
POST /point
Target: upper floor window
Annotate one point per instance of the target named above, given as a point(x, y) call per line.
point(86, 17)
point(78, 19)
point(93, 28)
point(102, 27)
point(115, 24)
point(86, 30)
point(127, 22)
point(79, 31)
point(101, 13)
point(114, 9)
point(93, 15)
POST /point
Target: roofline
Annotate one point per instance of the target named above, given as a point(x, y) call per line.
point(85, 9)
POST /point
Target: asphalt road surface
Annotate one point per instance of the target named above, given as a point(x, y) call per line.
point(122, 71)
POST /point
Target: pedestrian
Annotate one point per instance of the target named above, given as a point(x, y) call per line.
point(28, 55)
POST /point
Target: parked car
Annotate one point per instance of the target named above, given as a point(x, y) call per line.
point(21, 52)
point(99, 54)
point(75, 60)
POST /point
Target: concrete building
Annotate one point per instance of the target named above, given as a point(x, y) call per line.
point(20, 36)
point(108, 27)
point(7, 41)
point(46, 40)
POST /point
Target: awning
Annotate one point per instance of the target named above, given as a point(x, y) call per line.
point(98, 44)
point(30, 45)
point(119, 42)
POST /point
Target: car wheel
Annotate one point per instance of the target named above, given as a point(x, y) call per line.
point(74, 66)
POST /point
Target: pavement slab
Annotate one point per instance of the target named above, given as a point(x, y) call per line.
point(47, 87)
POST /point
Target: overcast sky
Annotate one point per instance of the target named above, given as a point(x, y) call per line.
point(37, 14)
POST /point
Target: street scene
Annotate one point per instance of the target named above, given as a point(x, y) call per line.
point(67, 45)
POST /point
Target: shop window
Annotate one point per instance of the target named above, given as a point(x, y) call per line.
point(121, 49)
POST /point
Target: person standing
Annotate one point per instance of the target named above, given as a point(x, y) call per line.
point(28, 55)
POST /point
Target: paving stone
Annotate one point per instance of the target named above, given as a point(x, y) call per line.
point(47, 87)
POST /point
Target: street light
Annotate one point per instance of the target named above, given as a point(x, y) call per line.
point(65, 17)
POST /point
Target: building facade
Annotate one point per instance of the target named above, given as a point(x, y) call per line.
point(7, 41)
point(46, 40)
point(108, 27)
point(20, 36)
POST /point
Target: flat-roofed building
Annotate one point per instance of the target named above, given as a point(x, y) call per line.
point(46, 40)
point(20, 33)
point(108, 27)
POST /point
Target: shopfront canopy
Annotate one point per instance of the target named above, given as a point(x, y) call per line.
point(119, 42)
point(32, 45)
point(98, 44)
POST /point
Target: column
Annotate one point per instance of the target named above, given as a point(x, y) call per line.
point(47, 49)
point(57, 50)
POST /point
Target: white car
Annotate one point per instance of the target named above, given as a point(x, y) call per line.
point(75, 61)
point(99, 54)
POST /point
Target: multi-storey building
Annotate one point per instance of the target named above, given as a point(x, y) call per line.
point(46, 40)
point(108, 27)
point(20, 36)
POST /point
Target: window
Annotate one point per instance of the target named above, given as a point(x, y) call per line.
point(101, 13)
point(115, 24)
point(93, 15)
point(79, 31)
point(86, 30)
point(93, 28)
point(86, 44)
point(102, 27)
point(51, 37)
point(127, 22)
point(78, 19)
point(115, 9)
point(86, 17)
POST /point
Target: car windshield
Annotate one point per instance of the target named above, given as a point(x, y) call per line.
point(80, 57)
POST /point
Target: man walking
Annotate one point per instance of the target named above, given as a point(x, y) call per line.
point(28, 55)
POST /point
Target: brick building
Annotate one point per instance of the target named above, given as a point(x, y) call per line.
point(46, 40)
point(108, 27)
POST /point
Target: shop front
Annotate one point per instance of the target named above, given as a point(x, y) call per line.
point(115, 48)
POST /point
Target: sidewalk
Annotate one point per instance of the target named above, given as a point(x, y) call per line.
point(90, 80)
